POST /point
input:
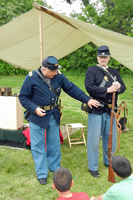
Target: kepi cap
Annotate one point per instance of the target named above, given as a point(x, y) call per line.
point(103, 51)
point(51, 63)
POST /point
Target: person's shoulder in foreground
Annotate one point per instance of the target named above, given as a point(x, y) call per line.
point(75, 196)
point(122, 190)
point(62, 182)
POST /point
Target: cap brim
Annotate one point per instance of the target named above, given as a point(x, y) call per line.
point(53, 69)
point(103, 56)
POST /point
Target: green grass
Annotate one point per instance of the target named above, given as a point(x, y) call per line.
point(17, 170)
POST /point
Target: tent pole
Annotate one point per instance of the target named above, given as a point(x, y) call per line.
point(41, 36)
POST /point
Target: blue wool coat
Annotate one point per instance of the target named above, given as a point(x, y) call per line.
point(34, 92)
point(93, 79)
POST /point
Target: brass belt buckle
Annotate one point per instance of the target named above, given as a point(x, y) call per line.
point(46, 107)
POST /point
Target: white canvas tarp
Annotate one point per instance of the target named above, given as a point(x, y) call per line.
point(20, 39)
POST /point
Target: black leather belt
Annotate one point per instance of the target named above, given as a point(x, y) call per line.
point(50, 107)
point(102, 104)
point(106, 104)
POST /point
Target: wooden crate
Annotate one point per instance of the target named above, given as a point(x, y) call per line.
point(11, 113)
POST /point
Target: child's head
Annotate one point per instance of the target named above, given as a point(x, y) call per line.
point(62, 179)
point(121, 166)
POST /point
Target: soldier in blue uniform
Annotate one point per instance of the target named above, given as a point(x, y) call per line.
point(100, 86)
point(41, 101)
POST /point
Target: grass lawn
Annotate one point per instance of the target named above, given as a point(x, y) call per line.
point(17, 170)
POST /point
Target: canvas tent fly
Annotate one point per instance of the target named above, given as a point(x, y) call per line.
point(41, 32)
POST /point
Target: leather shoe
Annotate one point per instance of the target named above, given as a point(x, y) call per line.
point(106, 165)
point(94, 174)
point(43, 181)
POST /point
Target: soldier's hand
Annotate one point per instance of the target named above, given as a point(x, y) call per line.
point(114, 87)
point(117, 85)
point(40, 112)
point(93, 102)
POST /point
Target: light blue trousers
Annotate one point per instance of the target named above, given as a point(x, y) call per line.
point(49, 156)
point(99, 125)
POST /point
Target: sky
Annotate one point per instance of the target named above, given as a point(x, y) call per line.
point(61, 6)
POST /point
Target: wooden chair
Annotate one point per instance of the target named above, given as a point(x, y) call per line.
point(69, 129)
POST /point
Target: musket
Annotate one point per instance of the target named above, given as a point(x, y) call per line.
point(111, 176)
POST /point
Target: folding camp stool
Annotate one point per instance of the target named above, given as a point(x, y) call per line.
point(70, 127)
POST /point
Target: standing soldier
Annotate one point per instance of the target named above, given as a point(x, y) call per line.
point(99, 83)
point(40, 98)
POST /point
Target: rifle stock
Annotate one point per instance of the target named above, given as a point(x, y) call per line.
point(111, 176)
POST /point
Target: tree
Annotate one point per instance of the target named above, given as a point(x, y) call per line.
point(109, 14)
point(10, 9)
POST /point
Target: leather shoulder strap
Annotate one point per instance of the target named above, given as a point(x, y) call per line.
point(105, 71)
point(43, 78)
